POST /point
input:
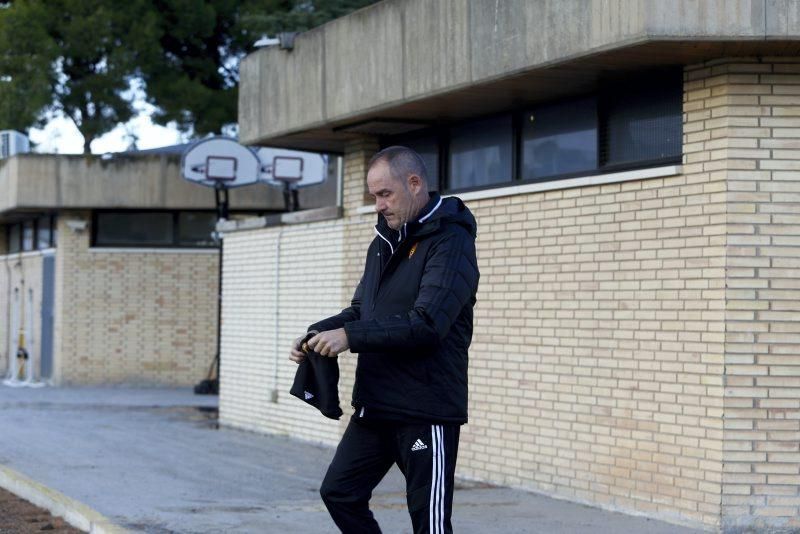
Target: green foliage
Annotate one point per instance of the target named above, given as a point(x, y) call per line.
point(80, 58)
point(26, 54)
point(76, 57)
point(195, 82)
point(274, 16)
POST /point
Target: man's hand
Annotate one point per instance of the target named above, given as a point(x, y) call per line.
point(330, 343)
point(295, 354)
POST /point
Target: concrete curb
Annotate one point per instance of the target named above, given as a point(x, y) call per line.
point(75, 513)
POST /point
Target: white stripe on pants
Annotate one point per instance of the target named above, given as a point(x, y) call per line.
point(437, 481)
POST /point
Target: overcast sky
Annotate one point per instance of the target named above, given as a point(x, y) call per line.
point(60, 136)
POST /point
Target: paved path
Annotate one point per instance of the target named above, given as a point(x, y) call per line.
point(152, 460)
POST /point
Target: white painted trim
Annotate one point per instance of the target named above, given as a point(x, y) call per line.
point(135, 250)
point(29, 253)
point(366, 210)
point(553, 185)
point(583, 181)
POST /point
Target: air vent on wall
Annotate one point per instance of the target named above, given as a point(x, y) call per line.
point(13, 142)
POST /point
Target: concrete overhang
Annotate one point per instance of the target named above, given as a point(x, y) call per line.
point(46, 183)
point(435, 61)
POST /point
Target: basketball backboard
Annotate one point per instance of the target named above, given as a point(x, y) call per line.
point(220, 161)
point(281, 166)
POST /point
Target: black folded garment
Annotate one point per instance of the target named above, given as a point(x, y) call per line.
point(317, 382)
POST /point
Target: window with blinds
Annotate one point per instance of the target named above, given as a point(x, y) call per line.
point(629, 124)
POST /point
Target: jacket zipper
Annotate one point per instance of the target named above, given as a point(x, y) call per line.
point(383, 267)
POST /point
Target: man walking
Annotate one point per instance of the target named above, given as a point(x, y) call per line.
point(410, 321)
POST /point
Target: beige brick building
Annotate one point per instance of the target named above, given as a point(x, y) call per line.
point(108, 271)
point(637, 332)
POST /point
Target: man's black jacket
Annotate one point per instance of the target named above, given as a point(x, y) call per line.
point(410, 319)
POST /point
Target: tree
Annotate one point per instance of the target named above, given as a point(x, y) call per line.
point(294, 15)
point(82, 58)
point(82, 54)
point(195, 82)
point(26, 54)
point(192, 81)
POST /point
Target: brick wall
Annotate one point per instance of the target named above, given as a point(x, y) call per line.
point(319, 265)
point(635, 343)
point(596, 365)
point(4, 292)
point(597, 357)
point(256, 371)
point(754, 125)
point(136, 317)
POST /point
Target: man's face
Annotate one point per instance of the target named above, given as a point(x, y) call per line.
point(393, 199)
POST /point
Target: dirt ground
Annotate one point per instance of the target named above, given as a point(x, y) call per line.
point(18, 516)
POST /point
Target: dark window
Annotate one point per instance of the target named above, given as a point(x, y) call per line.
point(196, 228)
point(559, 139)
point(141, 229)
point(642, 122)
point(31, 234)
point(481, 153)
point(14, 234)
point(28, 235)
point(635, 123)
point(428, 149)
point(154, 229)
point(44, 232)
point(427, 146)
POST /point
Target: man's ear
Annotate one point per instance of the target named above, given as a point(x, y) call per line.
point(414, 183)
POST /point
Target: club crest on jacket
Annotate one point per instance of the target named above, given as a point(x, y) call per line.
point(413, 250)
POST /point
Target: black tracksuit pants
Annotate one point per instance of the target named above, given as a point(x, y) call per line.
point(426, 454)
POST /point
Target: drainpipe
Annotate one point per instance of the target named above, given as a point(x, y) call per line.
point(340, 181)
point(277, 301)
point(13, 377)
point(10, 368)
point(277, 313)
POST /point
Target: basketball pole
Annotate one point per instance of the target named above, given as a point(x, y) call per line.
point(210, 386)
point(221, 200)
point(291, 198)
point(221, 163)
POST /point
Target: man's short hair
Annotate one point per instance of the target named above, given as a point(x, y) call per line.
point(402, 162)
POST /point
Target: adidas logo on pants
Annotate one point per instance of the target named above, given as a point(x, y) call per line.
point(418, 445)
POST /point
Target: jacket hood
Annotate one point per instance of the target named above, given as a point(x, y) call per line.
point(440, 210)
point(437, 211)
